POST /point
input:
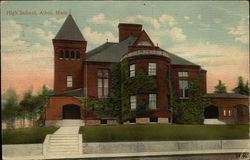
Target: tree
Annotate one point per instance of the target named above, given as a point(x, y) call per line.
point(241, 88)
point(220, 87)
point(191, 111)
point(42, 100)
point(33, 106)
point(10, 107)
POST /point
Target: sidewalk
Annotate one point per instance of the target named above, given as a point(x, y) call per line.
point(131, 155)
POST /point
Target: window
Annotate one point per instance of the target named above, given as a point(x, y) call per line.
point(69, 81)
point(152, 119)
point(225, 112)
point(152, 101)
point(229, 112)
point(183, 86)
point(72, 55)
point(132, 70)
point(103, 82)
point(152, 69)
point(67, 54)
point(133, 102)
point(77, 55)
point(183, 74)
point(144, 43)
point(104, 121)
point(132, 120)
point(61, 54)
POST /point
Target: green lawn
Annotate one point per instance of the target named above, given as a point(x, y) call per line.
point(26, 135)
point(163, 132)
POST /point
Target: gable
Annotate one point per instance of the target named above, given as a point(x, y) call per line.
point(143, 40)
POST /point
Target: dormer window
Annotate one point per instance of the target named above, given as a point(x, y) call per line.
point(144, 43)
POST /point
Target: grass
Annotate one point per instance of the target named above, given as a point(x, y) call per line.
point(26, 135)
point(163, 132)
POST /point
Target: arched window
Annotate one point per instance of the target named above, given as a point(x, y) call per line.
point(67, 54)
point(77, 55)
point(61, 54)
point(72, 55)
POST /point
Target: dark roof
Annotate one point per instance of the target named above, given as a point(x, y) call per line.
point(69, 31)
point(110, 52)
point(176, 60)
point(224, 95)
point(75, 92)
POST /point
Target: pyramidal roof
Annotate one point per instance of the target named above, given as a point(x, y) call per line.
point(69, 31)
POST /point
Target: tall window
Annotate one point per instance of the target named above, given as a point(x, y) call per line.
point(183, 74)
point(72, 55)
point(132, 70)
point(103, 82)
point(77, 55)
point(152, 69)
point(66, 54)
point(152, 101)
point(183, 86)
point(61, 54)
point(69, 81)
point(133, 102)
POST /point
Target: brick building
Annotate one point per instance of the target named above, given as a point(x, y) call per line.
point(81, 73)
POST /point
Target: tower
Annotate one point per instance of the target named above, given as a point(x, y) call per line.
point(69, 54)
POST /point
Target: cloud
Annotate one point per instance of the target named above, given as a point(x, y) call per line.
point(150, 20)
point(186, 17)
point(221, 62)
point(97, 37)
point(199, 17)
point(30, 64)
point(177, 34)
point(240, 32)
point(217, 20)
point(101, 19)
point(52, 22)
point(43, 35)
point(167, 18)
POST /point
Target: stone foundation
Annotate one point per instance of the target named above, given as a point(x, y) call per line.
point(92, 122)
point(111, 122)
point(142, 120)
point(50, 122)
point(163, 120)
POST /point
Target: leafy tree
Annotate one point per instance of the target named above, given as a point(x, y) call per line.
point(10, 107)
point(242, 88)
point(42, 100)
point(33, 106)
point(220, 87)
point(191, 111)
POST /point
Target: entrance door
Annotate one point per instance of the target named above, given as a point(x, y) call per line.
point(242, 114)
point(211, 112)
point(71, 111)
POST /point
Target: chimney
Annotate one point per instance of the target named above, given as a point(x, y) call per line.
point(126, 29)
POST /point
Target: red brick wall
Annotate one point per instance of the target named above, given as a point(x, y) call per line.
point(129, 29)
point(68, 67)
point(193, 73)
point(162, 90)
point(90, 80)
point(229, 104)
point(55, 109)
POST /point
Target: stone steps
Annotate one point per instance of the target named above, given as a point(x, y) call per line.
point(65, 141)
